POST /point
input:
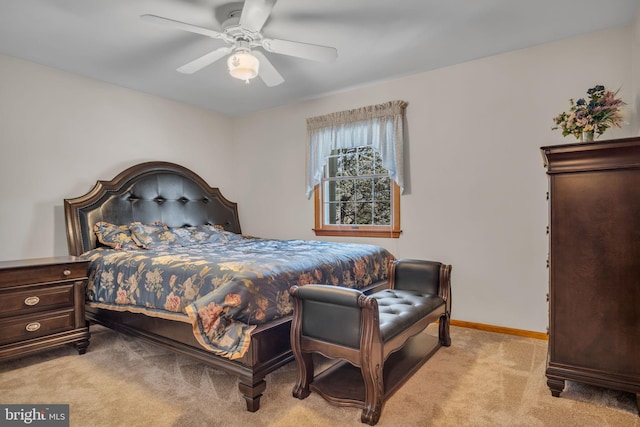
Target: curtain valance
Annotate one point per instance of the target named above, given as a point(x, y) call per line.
point(379, 126)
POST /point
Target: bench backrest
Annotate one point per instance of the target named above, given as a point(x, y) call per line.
point(418, 275)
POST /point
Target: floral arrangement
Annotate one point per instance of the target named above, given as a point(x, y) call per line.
point(592, 116)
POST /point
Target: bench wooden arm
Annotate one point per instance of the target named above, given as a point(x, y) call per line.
point(427, 277)
point(330, 313)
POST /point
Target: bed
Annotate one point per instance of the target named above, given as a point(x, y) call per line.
point(191, 281)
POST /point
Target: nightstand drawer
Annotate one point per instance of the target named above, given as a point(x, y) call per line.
point(21, 328)
point(35, 298)
point(31, 274)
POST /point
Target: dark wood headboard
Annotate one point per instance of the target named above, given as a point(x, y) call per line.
point(147, 192)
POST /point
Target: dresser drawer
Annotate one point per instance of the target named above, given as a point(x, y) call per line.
point(22, 328)
point(28, 299)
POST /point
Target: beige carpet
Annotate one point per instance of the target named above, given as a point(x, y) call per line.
point(483, 379)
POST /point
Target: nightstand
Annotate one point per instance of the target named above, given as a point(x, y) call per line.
point(42, 305)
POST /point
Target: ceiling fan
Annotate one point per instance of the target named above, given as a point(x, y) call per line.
point(242, 31)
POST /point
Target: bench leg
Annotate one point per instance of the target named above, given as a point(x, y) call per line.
point(305, 375)
point(373, 389)
point(443, 330)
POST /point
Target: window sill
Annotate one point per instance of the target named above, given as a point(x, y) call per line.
point(348, 232)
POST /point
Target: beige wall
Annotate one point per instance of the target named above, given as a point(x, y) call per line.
point(477, 185)
point(476, 190)
point(59, 133)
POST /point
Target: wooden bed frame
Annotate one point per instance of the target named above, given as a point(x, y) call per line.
point(167, 192)
point(162, 191)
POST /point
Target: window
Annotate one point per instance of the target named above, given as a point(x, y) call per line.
point(356, 170)
point(356, 196)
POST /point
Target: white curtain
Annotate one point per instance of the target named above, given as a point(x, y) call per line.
point(379, 126)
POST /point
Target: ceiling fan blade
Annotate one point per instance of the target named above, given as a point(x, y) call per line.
point(255, 13)
point(313, 52)
point(203, 61)
point(268, 73)
point(181, 26)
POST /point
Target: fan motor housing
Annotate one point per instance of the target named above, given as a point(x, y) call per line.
point(231, 27)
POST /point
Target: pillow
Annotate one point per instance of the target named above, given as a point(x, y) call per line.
point(219, 234)
point(185, 236)
point(151, 236)
point(114, 236)
point(199, 234)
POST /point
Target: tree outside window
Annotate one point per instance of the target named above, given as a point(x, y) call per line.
point(356, 196)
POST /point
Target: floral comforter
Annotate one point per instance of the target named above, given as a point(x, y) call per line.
point(226, 289)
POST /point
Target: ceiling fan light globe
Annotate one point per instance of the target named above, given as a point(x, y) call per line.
point(243, 66)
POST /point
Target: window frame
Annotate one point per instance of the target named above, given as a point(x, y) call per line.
point(356, 230)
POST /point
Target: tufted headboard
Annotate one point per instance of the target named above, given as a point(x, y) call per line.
point(148, 192)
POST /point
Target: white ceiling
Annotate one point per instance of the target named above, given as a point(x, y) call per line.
point(376, 40)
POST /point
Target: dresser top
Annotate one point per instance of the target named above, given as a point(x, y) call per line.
point(592, 156)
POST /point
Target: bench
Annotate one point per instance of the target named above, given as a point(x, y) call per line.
point(376, 338)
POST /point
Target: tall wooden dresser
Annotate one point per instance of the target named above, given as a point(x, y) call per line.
point(594, 264)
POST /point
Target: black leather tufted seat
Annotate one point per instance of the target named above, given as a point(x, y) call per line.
point(399, 309)
point(365, 330)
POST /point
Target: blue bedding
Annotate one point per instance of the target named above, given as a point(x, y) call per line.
point(225, 289)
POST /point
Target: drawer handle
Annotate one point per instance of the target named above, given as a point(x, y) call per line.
point(67, 272)
point(33, 326)
point(31, 300)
